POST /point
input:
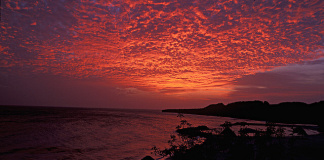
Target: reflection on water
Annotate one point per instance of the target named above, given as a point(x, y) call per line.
point(75, 133)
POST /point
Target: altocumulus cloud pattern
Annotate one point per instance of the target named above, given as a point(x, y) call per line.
point(168, 46)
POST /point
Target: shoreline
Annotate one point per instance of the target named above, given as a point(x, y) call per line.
point(287, 112)
point(225, 145)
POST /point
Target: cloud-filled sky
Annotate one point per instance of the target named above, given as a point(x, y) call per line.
point(160, 53)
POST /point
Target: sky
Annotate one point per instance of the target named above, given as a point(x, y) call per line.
point(158, 54)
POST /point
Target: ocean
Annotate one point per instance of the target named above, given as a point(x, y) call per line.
point(57, 133)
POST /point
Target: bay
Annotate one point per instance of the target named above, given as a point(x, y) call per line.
point(90, 133)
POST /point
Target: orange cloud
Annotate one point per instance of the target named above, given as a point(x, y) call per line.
point(172, 47)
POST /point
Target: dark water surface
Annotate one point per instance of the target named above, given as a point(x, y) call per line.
point(50, 133)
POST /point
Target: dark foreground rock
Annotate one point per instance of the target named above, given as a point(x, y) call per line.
point(148, 158)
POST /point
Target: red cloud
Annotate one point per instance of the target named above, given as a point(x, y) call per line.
point(153, 45)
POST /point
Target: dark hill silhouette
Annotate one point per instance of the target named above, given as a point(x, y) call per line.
point(286, 112)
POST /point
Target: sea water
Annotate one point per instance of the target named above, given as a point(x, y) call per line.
point(51, 133)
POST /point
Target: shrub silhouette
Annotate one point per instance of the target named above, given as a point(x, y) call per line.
point(203, 143)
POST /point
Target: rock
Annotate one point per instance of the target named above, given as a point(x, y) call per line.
point(148, 158)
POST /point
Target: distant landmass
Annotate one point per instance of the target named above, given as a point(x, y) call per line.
point(286, 112)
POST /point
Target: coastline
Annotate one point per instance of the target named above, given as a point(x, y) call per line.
point(286, 112)
point(267, 144)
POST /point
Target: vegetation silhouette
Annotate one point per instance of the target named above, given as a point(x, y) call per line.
point(203, 143)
